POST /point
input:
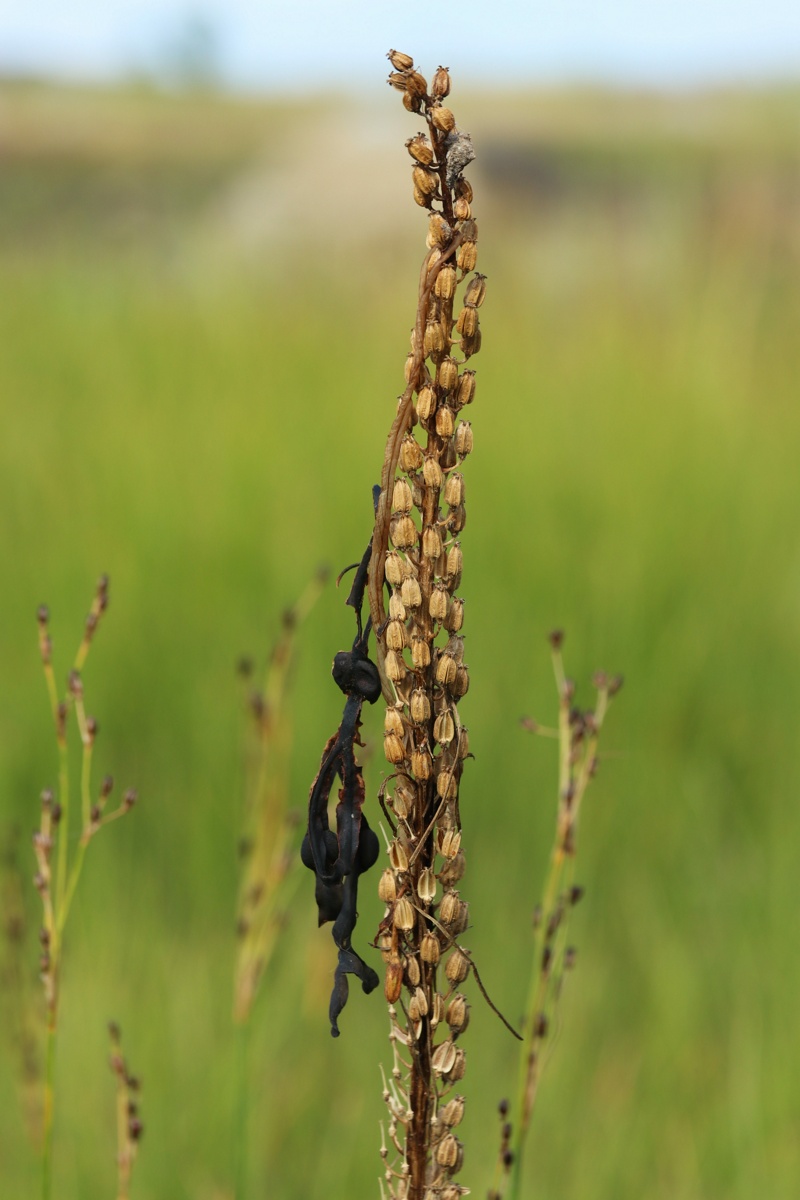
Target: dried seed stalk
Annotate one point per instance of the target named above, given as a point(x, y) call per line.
point(420, 652)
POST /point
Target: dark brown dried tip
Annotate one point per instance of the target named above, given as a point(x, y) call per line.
point(245, 666)
point(570, 956)
point(135, 1129)
point(43, 614)
point(615, 684)
point(114, 1032)
point(508, 1158)
point(502, 1108)
point(575, 894)
point(56, 813)
point(91, 728)
point(47, 798)
point(556, 639)
point(102, 590)
point(107, 786)
point(600, 680)
point(541, 1026)
point(529, 724)
point(130, 798)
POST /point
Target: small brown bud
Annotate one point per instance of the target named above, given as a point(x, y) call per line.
point(444, 1056)
point(393, 984)
point(410, 454)
point(467, 256)
point(420, 652)
point(463, 439)
point(445, 285)
point(422, 763)
point(467, 323)
point(448, 374)
point(465, 392)
point(444, 422)
point(403, 915)
point(440, 84)
point(387, 888)
point(425, 180)
point(420, 149)
point(410, 592)
point(401, 496)
point(403, 533)
point(426, 886)
point(454, 489)
point(400, 61)
point(439, 602)
point(455, 616)
point(395, 667)
point(397, 610)
point(396, 635)
point(431, 542)
point(429, 949)
point(443, 119)
point(444, 729)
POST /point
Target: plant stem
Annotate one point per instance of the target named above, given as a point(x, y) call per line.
point(242, 1110)
point(47, 1115)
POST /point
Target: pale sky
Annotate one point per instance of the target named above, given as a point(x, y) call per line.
point(310, 43)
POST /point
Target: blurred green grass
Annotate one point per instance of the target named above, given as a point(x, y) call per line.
point(205, 423)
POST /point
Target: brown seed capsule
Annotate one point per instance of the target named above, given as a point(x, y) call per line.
point(400, 61)
point(425, 180)
point(449, 842)
point(397, 610)
point(457, 519)
point(448, 374)
point(412, 972)
point(446, 669)
point(420, 707)
point(476, 291)
point(398, 856)
point(387, 889)
point(454, 489)
point(464, 189)
point(429, 949)
point(467, 256)
point(458, 1068)
point(470, 344)
point(439, 232)
point(397, 80)
point(420, 149)
point(440, 84)
point(445, 285)
point(453, 1112)
point(444, 1056)
point(453, 870)
point(437, 1009)
point(444, 422)
point(455, 616)
point(420, 652)
point(393, 748)
point(431, 542)
point(409, 367)
point(416, 84)
point(401, 496)
point(446, 785)
point(410, 592)
point(403, 915)
point(455, 561)
point(448, 909)
point(403, 533)
point(461, 209)
point(422, 763)
point(393, 722)
point(395, 667)
point(447, 1150)
point(435, 340)
point(412, 103)
point(426, 403)
point(467, 323)
point(439, 602)
point(410, 454)
point(432, 473)
point(396, 635)
point(444, 729)
point(393, 568)
point(443, 119)
point(463, 439)
point(426, 886)
point(465, 392)
point(421, 198)
point(393, 984)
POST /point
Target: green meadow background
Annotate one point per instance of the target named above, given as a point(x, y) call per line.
point(205, 305)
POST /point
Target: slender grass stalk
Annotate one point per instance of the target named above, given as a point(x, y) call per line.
point(129, 1124)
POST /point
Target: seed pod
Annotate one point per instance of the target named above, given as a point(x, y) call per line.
point(429, 950)
point(465, 392)
point(454, 489)
point(434, 338)
point(460, 685)
point(420, 149)
point(444, 728)
point(409, 367)
point(447, 785)
point(464, 189)
point(449, 842)
point(393, 722)
point(446, 669)
point(398, 856)
point(396, 635)
point(440, 84)
point(439, 232)
point(401, 496)
point(443, 119)
point(453, 1112)
point(438, 603)
point(397, 80)
point(410, 592)
point(463, 439)
point(455, 616)
point(412, 972)
point(437, 1008)
point(475, 291)
point(420, 707)
point(421, 198)
point(457, 519)
point(420, 652)
point(467, 256)
point(432, 473)
point(425, 180)
point(404, 796)
point(403, 915)
point(393, 984)
point(403, 533)
point(467, 323)
point(400, 61)
point(431, 542)
point(444, 1056)
point(463, 737)
point(453, 870)
point(470, 344)
point(387, 889)
point(393, 568)
point(444, 422)
point(410, 453)
point(445, 285)
point(426, 886)
point(448, 458)
point(461, 209)
point(448, 909)
point(422, 763)
point(426, 403)
point(447, 1150)
point(395, 667)
point(448, 374)
point(458, 1068)
point(416, 84)
point(393, 748)
point(397, 610)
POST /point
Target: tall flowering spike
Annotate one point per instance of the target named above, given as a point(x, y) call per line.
point(415, 566)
